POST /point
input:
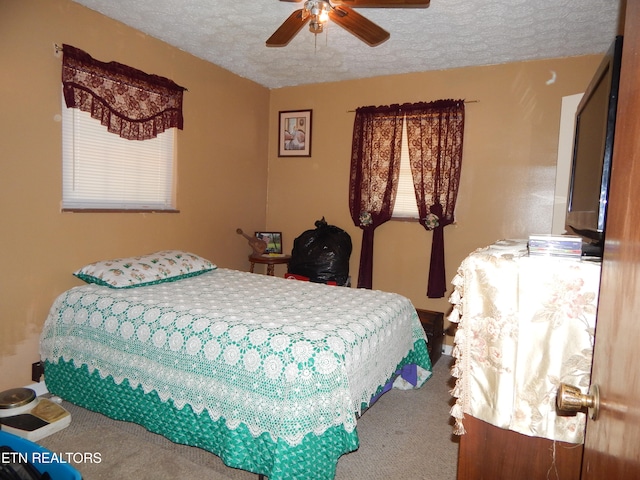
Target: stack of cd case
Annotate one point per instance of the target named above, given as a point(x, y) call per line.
point(556, 245)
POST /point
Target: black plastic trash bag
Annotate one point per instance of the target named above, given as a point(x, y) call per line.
point(322, 255)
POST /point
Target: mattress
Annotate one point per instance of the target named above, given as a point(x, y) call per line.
point(258, 370)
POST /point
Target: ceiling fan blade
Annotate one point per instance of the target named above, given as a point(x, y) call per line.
point(292, 25)
point(381, 3)
point(361, 27)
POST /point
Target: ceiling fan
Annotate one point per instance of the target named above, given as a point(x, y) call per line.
point(318, 12)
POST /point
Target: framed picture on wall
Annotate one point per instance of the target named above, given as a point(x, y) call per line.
point(273, 241)
point(294, 133)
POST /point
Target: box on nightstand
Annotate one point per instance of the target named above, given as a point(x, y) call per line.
point(433, 324)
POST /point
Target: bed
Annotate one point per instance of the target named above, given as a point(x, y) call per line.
point(269, 374)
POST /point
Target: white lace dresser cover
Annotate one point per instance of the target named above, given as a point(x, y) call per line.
point(525, 324)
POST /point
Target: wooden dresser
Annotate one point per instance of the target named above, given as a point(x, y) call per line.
point(525, 324)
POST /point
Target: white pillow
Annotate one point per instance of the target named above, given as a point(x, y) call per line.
point(158, 267)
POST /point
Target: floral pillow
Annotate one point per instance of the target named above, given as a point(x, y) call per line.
point(159, 267)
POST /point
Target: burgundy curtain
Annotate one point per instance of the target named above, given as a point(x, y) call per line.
point(130, 103)
point(435, 131)
point(375, 167)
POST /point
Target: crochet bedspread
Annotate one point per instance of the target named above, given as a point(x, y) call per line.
point(261, 354)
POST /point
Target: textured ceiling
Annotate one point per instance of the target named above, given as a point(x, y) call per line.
point(447, 34)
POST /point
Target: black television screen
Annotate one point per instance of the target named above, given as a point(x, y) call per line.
point(593, 150)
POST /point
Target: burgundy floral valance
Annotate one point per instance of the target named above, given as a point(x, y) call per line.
point(130, 103)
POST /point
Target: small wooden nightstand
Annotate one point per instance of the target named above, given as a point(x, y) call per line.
point(433, 324)
point(269, 260)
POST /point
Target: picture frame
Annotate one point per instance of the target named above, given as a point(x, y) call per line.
point(294, 133)
point(273, 240)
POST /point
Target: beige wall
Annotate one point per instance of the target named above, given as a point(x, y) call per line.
point(508, 168)
point(229, 174)
point(222, 169)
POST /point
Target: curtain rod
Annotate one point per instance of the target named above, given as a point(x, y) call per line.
point(466, 101)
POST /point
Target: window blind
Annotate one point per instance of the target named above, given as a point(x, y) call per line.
point(104, 171)
point(406, 205)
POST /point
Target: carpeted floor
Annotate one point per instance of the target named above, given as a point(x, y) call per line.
point(406, 434)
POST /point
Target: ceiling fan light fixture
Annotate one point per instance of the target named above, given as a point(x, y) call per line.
point(319, 12)
point(317, 7)
point(316, 26)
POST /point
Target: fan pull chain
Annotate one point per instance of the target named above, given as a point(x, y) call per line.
point(326, 38)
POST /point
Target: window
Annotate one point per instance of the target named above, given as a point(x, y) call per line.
point(406, 205)
point(106, 172)
point(118, 135)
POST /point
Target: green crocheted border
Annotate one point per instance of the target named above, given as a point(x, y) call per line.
point(314, 458)
point(237, 448)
